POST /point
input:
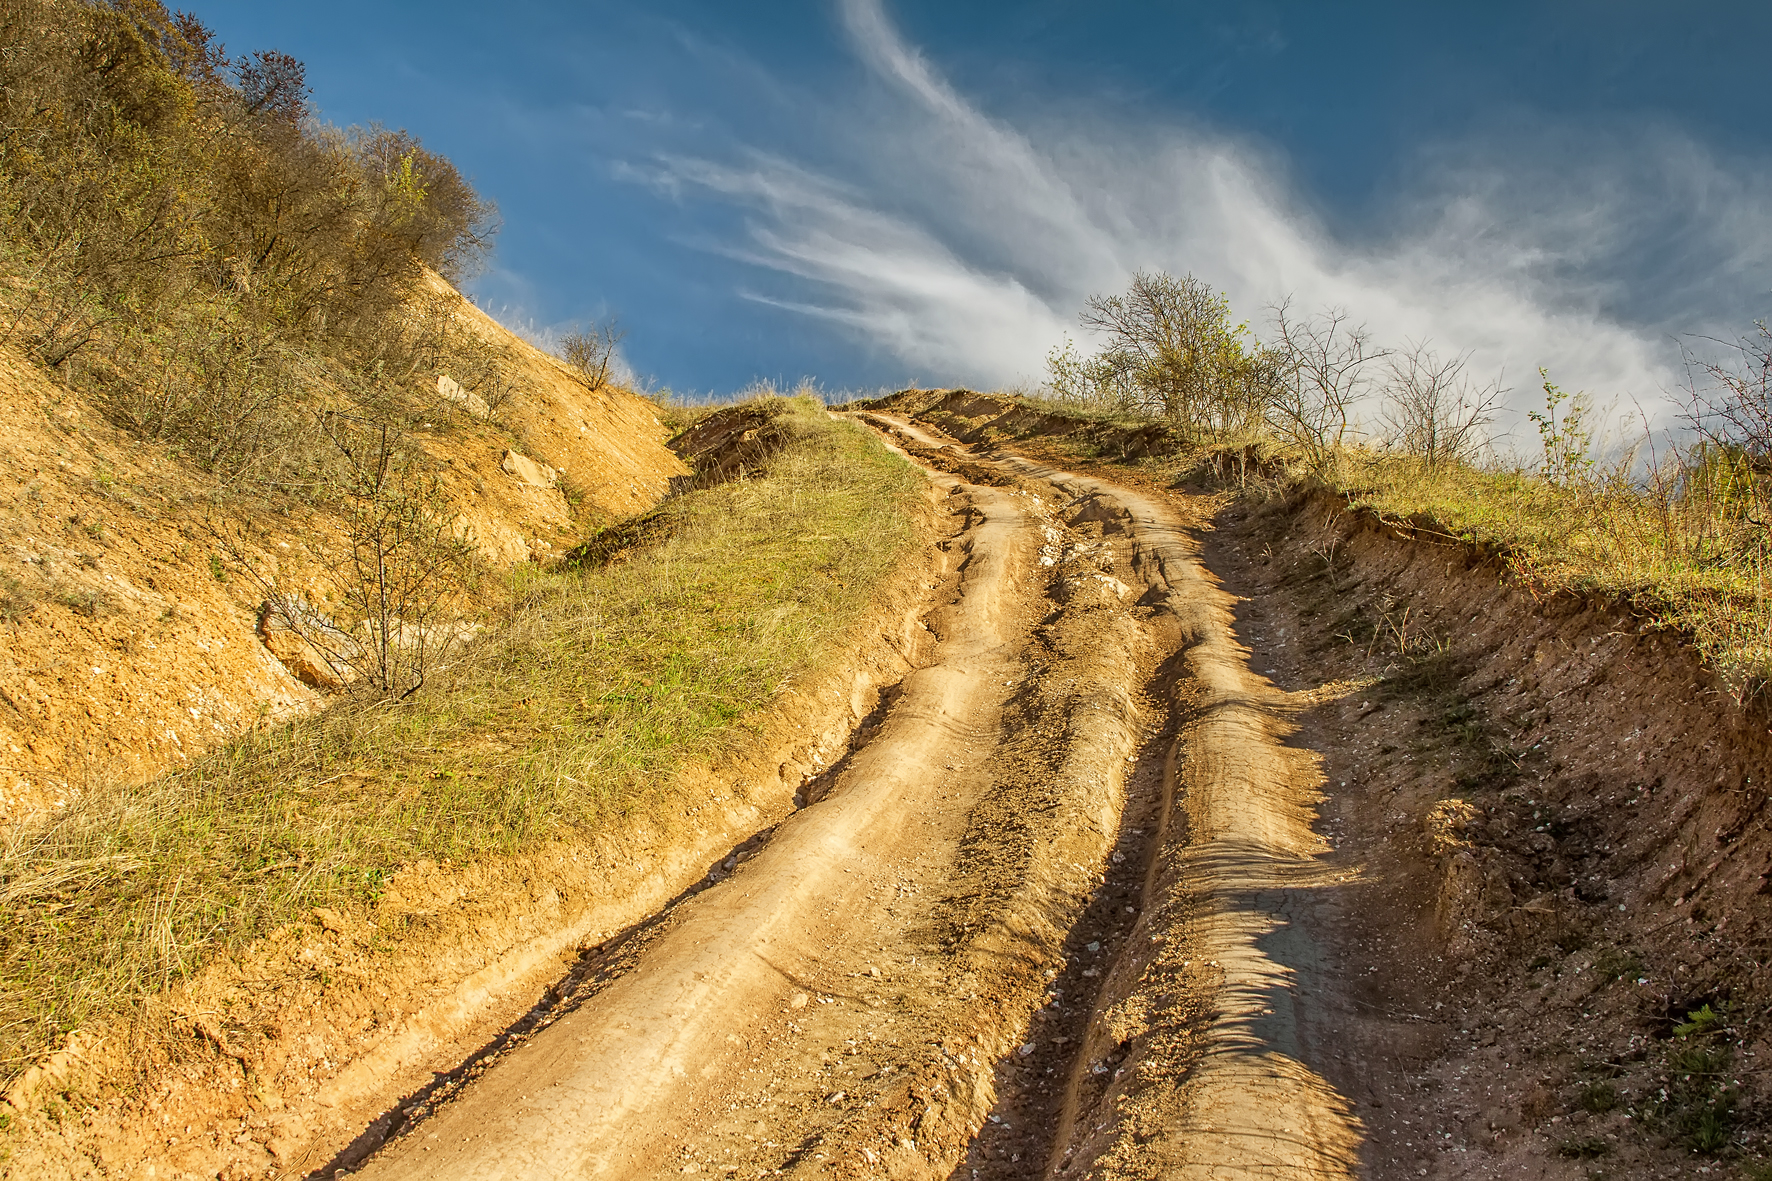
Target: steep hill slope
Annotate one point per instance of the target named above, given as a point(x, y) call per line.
point(131, 643)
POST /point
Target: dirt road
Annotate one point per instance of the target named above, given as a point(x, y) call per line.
point(1047, 921)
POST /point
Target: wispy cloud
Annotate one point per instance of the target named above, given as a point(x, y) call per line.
point(964, 244)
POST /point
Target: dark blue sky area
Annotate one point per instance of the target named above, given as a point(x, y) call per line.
point(561, 113)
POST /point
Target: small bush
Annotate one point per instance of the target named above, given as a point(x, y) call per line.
point(1433, 411)
point(16, 601)
point(1323, 377)
point(400, 565)
point(1700, 1022)
point(591, 353)
point(1584, 1148)
point(1698, 1102)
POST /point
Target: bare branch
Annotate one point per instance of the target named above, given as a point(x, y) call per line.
point(1433, 409)
point(591, 352)
point(1323, 377)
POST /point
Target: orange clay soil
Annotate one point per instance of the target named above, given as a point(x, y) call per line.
point(309, 1049)
point(124, 654)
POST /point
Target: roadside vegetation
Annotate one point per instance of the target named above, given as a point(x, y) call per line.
point(184, 242)
point(187, 248)
point(568, 714)
point(1675, 525)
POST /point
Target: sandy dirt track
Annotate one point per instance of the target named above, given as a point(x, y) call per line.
point(1046, 922)
point(1234, 856)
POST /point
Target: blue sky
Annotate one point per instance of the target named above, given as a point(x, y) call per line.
point(876, 193)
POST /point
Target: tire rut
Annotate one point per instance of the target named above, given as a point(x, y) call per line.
point(1017, 930)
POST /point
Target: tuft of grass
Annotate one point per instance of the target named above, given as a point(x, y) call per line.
point(1599, 1098)
point(1614, 962)
point(16, 600)
point(1698, 1102)
point(566, 718)
point(1699, 1022)
point(1584, 1148)
point(1709, 1128)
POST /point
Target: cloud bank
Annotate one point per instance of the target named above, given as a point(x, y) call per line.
point(964, 245)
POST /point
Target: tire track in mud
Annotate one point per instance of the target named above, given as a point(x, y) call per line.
point(1214, 1080)
point(1021, 932)
point(1195, 1062)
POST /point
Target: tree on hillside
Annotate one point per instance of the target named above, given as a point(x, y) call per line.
point(179, 234)
point(1171, 349)
point(1324, 373)
point(274, 84)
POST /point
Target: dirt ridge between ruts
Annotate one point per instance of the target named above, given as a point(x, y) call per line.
point(1043, 834)
point(1188, 1047)
point(1242, 833)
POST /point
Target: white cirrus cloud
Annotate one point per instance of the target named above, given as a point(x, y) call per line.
point(964, 245)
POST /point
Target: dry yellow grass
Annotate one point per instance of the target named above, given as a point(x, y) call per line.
point(568, 713)
point(1683, 547)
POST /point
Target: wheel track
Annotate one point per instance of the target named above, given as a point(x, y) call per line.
point(1194, 1064)
point(853, 1001)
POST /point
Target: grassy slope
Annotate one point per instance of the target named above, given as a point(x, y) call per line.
point(1691, 561)
point(1682, 549)
point(566, 715)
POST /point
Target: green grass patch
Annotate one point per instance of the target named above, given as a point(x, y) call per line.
point(570, 713)
point(1676, 554)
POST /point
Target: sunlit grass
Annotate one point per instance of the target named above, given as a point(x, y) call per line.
point(570, 713)
point(1671, 547)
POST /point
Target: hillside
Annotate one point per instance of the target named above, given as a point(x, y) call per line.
point(246, 411)
point(420, 762)
point(126, 653)
point(1120, 814)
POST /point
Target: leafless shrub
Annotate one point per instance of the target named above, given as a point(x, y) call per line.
point(1323, 375)
point(1731, 395)
point(1433, 410)
point(220, 391)
point(401, 569)
point(591, 352)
